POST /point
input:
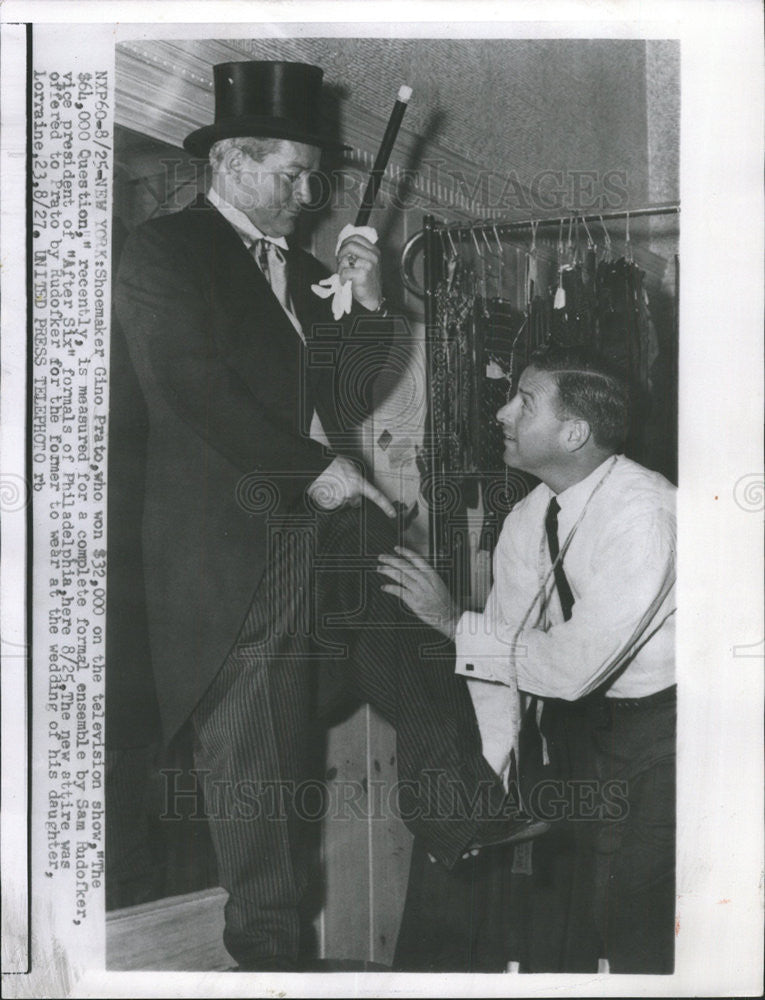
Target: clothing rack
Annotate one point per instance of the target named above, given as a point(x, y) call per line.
point(460, 230)
point(433, 240)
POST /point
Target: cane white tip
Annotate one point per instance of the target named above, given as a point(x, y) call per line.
point(404, 93)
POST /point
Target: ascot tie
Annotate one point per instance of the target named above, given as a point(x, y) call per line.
point(272, 262)
point(564, 590)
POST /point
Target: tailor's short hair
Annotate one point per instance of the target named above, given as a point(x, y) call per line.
point(590, 388)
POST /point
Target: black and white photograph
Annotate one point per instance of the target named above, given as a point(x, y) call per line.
point(378, 428)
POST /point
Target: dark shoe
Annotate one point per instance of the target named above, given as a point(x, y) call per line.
point(509, 831)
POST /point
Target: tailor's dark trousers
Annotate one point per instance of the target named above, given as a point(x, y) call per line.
point(320, 618)
point(601, 882)
point(635, 859)
point(610, 866)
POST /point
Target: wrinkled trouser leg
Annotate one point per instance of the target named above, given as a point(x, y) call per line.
point(406, 671)
point(250, 736)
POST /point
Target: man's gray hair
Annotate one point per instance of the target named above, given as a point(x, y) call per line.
point(258, 149)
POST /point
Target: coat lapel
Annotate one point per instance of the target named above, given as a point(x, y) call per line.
point(249, 326)
point(323, 334)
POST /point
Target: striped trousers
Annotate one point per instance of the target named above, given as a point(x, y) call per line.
point(319, 618)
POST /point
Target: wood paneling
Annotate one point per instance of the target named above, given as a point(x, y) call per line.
point(366, 847)
point(182, 933)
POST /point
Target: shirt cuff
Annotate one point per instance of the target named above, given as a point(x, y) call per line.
point(481, 653)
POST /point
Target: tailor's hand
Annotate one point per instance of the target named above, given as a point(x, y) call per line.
point(358, 261)
point(421, 589)
point(342, 483)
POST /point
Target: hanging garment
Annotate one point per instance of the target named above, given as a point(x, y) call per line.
point(454, 392)
point(477, 353)
point(504, 335)
point(575, 322)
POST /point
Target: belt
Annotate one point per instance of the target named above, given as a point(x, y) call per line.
point(649, 701)
point(593, 706)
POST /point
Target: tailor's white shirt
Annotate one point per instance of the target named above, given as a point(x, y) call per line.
point(620, 565)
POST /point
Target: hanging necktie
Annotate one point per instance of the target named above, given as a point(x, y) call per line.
point(534, 750)
point(273, 263)
point(564, 590)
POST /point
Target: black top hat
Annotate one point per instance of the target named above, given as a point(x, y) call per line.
point(276, 100)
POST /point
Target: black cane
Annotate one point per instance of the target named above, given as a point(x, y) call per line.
point(373, 185)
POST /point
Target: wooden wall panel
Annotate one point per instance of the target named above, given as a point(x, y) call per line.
point(366, 848)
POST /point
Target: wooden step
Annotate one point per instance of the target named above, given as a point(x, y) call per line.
point(183, 933)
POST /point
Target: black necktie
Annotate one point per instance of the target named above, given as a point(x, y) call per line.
point(536, 738)
point(564, 590)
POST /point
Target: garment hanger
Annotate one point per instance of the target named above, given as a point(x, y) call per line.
point(627, 242)
point(532, 267)
point(476, 244)
point(482, 280)
point(497, 255)
point(451, 262)
point(500, 246)
point(608, 252)
point(559, 302)
point(589, 267)
point(577, 243)
point(490, 254)
point(500, 256)
point(442, 240)
point(590, 242)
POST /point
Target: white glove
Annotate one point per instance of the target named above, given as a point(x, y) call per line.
point(342, 292)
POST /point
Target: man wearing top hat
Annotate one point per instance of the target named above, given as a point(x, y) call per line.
point(248, 487)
